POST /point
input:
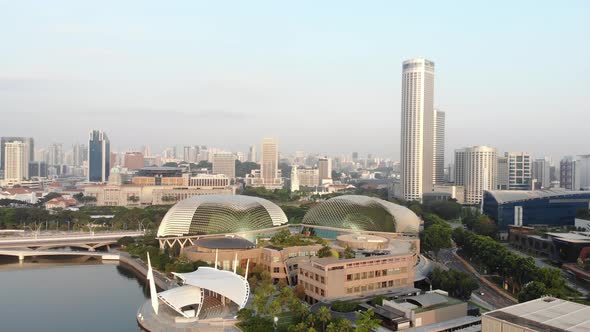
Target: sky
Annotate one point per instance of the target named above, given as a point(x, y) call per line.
point(321, 76)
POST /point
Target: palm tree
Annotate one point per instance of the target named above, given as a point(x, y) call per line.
point(366, 321)
point(324, 315)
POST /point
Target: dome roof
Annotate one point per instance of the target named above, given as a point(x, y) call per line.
point(364, 213)
point(220, 214)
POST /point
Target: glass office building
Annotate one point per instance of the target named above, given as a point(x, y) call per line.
point(554, 207)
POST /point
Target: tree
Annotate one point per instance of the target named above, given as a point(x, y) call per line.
point(485, 226)
point(366, 321)
point(339, 325)
point(300, 291)
point(325, 251)
point(349, 252)
point(300, 327)
point(245, 314)
point(447, 210)
point(531, 291)
point(457, 283)
point(436, 237)
point(324, 315)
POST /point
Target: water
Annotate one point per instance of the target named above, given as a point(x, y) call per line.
point(69, 297)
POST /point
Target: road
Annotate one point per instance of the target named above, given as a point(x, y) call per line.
point(572, 283)
point(491, 296)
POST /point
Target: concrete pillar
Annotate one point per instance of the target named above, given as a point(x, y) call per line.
point(21, 259)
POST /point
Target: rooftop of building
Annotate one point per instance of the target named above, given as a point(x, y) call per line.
point(506, 196)
point(578, 237)
point(546, 314)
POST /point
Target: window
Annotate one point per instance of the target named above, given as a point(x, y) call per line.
point(322, 292)
point(357, 276)
point(371, 274)
point(349, 277)
point(364, 275)
point(349, 290)
point(356, 289)
point(363, 288)
point(275, 270)
point(322, 280)
point(390, 283)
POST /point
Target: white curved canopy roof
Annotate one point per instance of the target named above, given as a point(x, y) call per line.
point(177, 221)
point(180, 297)
point(226, 283)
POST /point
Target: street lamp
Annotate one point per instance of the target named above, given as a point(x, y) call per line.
point(276, 322)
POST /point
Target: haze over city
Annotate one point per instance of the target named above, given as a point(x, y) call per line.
point(321, 77)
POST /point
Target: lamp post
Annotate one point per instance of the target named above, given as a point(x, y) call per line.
point(276, 323)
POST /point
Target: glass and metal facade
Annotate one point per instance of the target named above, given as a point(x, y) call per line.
point(362, 213)
point(220, 214)
point(99, 155)
point(539, 207)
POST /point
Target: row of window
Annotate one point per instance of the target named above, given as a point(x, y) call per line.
point(376, 274)
point(377, 285)
point(313, 276)
point(314, 289)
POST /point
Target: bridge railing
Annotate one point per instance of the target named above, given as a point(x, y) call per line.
point(69, 235)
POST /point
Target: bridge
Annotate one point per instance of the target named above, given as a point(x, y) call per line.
point(89, 241)
point(22, 253)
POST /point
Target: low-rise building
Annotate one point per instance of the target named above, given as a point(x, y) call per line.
point(329, 279)
point(543, 314)
point(60, 203)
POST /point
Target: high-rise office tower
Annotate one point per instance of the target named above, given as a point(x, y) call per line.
point(325, 169)
point(16, 161)
point(269, 161)
point(459, 167)
point(568, 178)
point(355, 157)
point(37, 169)
point(519, 171)
point(99, 156)
point(79, 154)
point(417, 132)
point(438, 164)
point(479, 171)
point(56, 154)
point(294, 179)
point(224, 163)
point(541, 173)
point(252, 154)
point(27, 140)
point(187, 154)
point(502, 173)
point(583, 171)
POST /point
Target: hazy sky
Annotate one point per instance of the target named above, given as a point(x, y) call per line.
point(322, 76)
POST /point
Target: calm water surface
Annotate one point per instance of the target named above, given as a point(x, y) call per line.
point(68, 297)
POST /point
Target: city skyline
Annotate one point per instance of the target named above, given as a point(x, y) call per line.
point(90, 79)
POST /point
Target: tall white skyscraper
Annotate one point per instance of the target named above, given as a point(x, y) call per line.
point(294, 179)
point(269, 161)
point(479, 172)
point(541, 170)
point(417, 128)
point(519, 170)
point(56, 154)
point(252, 154)
point(438, 164)
point(16, 161)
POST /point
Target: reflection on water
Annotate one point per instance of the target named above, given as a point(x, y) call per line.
point(63, 294)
